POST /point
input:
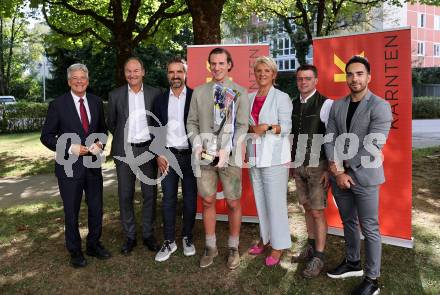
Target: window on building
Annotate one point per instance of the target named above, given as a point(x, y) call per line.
point(285, 47)
point(286, 64)
point(421, 20)
point(420, 48)
point(437, 22)
point(436, 51)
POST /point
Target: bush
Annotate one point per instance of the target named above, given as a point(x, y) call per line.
point(426, 107)
point(22, 117)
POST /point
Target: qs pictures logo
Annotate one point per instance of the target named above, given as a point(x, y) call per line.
point(340, 77)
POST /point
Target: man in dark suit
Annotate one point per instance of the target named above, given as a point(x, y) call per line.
point(171, 110)
point(358, 125)
point(129, 120)
point(78, 116)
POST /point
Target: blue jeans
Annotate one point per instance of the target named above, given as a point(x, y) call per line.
point(169, 203)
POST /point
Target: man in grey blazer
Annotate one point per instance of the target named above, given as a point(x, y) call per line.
point(203, 120)
point(129, 120)
point(358, 125)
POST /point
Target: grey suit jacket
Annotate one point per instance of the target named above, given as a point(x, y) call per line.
point(118, 113)
point(201, 112)
point(372, 119)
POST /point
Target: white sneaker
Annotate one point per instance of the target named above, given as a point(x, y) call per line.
point(188, 247)
point(166, 250)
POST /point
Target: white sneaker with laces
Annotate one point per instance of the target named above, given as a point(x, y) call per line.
point(188, 247)
point(166, 250)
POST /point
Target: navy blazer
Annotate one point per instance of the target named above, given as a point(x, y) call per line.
point(160, 110)
point(62, 117)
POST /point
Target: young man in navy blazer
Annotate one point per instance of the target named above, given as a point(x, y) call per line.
point(78, 115)
point(171, 110)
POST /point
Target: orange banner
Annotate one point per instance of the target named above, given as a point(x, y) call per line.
point(389, 53)
point(242, 73)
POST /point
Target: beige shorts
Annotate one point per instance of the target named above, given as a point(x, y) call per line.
point(309, 187)
point(230, 177)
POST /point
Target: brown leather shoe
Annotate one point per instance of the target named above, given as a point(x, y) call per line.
point(208, 256)
point(233, 258)
point(313, 268)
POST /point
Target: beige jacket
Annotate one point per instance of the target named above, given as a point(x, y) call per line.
point(201, 120)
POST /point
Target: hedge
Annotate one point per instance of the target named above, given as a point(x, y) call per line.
point(22, 117)
point(425, 107)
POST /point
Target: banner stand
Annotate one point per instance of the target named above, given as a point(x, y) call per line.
point(385, 239)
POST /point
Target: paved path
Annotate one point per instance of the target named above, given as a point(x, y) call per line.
point(21, 190)
point(425, 133)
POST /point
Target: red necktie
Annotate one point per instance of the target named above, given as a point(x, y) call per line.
point(83, 113)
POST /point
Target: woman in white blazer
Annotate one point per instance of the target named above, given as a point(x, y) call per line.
point(268, 156)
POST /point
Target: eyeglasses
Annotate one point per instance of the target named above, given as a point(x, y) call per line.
point(300, 79)
point(78, 78)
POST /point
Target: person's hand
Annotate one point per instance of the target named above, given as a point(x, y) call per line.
point(344, 181)
point(163, 164)
point(79, 150)
point(260, 129)
point(324, 180)
point(95, 148)
point(335, 169)
point(198, 152)
point(223, 156)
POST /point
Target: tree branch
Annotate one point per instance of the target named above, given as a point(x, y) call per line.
point(86, 12)
point(73, 34)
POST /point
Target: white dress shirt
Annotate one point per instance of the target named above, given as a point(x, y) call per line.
point(76, 99)
point(137, 124)
point(176, 134)
point(325, 109)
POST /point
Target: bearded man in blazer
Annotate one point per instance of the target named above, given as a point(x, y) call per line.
point(129, 120)
point(172, 110)
point(358, 125)
point(80, 117)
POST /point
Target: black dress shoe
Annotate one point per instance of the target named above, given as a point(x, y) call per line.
point(77, 259)
point(128, 246)
point(151, 244)
point(367, 287)
point(98, 251)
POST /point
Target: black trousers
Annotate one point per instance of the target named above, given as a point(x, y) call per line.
point(71, 191)
point(170, 185)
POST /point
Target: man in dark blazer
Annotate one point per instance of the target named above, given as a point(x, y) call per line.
point(358, 125)
point(171, 110)
point(78, 116)
point(129, 120)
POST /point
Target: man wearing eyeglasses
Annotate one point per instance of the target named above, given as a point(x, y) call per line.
point(309, 118)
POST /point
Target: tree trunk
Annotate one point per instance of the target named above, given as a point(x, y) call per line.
point(124, 46)
point(206, 15)
point(2, 66)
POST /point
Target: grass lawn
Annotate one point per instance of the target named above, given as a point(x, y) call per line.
point(23, 154)
point(33, 259)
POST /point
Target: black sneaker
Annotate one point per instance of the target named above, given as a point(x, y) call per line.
point(346, 269)
point(367, 287)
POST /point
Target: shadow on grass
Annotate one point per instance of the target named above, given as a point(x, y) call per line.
point(11, 165)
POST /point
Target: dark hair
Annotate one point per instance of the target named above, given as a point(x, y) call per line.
point(358, 59)
point(134, 58)
point(307, 67)
point(220, 50)
point(177, 60)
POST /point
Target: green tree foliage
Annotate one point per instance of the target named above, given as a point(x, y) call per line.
point(122, 25)
point(102, 61)
point(19, 49)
